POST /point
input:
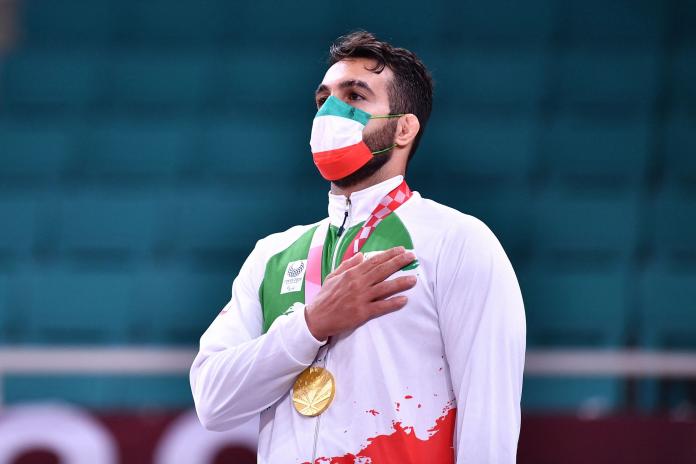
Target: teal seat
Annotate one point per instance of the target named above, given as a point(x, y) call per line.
point(4, 308)
point(239, 151)
point(160, 23)
point(682, 80)
point(577, 395)
point(600, 81)
point(178, 83)
point(618, 24)
point(69, 24)
point(667, 322)
point(500, 23)
point(672, 228)
point(589, 153)
point(112, 228)
point(574, 310)
point(490, 152)
point(60, 305)
point(72, 82)
point(21, 232)
point(506, 213)
point(678, 151)
point(477, 81)
point(314, 26)
point(35, 153)
point(130, 152)
point(585, 231)
point(281, 85)
point(218, 227)
point(175, 306)
point(668, 309)
point(106, 393)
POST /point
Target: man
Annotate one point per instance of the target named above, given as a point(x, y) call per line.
point(392, 331)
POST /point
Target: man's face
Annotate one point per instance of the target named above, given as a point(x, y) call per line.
point(351, 81)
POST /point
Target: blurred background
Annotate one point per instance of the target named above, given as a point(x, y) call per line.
point(146, 145)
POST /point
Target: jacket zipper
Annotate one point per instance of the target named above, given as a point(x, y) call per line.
point(341, 235)
point(346, 221)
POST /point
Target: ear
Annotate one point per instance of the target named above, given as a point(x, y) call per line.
point(406, 130)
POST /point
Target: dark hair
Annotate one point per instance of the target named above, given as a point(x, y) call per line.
point(411, 90)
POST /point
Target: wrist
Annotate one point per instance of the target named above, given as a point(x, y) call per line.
point(312, 328)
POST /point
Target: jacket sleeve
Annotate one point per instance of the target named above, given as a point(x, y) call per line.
point(238, 371)
point(483, 326)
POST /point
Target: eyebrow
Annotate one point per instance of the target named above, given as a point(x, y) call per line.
point(346, 84)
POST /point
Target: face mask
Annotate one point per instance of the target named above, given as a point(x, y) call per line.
point(337, 142)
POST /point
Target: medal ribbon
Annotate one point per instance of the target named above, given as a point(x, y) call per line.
point(384, 208)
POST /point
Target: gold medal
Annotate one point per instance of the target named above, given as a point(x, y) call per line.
point(313, 391)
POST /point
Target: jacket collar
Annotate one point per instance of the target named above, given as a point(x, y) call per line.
point(362, 202)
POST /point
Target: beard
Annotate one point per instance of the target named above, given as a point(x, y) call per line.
point(375, 141)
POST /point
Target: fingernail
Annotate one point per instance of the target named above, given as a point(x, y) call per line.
point(410, 255)
point(412, 279)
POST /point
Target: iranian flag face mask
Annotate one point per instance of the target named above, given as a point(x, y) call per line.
point(337, 142)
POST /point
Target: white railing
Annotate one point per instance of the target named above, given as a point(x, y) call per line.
point(151, 361)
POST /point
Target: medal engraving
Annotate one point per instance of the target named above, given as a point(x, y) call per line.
point(313, 391)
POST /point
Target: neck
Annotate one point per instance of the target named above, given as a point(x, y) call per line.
point(376, 178)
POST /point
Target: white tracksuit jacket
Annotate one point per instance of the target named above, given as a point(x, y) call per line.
point(437, 381)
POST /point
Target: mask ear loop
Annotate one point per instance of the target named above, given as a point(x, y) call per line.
point(383, 150)
point(388, 116)
point(385, 117)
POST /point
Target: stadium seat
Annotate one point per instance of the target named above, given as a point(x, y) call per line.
point(175, 306)
point(243, 151)
point(160, 23)
point(102, 392)
point(494, 153)
point(155, 82)
point(35, 155)
point(278, 85)
point(596, 81)
point(69, 306)
point(667, 322)
point(619, 24)
point(63, 81)
point(69, 23)
point(474, 81)
point(284, 27)
point(219, 227)
point(574, 310)
point(581, 231)
point(21, 231)
point(499, 23)
point(668, 309)
point(585, 397)
point(4, 308)
point(506, 213)
point(678, 150)
point(672, 228)
point(589, 153)
point(117, 228)
point(683, 78)
point(128, 152)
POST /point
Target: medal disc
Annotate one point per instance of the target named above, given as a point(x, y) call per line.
point(313, 391)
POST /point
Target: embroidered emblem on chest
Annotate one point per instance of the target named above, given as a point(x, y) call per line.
point(294, 275)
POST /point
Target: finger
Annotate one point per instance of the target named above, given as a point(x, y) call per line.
point(380, 258)
point(387, 268)
point(381, 307)
point(353, 261)
point(388, 288)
